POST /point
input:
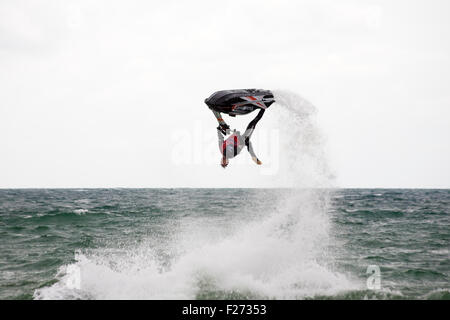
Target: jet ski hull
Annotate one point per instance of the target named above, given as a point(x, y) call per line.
point(239, 101)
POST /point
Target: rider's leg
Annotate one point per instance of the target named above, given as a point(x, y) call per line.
point(251, 126)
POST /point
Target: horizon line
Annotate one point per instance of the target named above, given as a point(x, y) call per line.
point(181, 187)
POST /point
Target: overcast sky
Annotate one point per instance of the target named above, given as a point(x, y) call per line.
point(96, 93)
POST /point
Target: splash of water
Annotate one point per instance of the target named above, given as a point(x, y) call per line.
point(303, 144)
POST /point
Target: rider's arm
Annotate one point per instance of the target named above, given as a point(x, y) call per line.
point(222, 144)
point(220, 136)
point(222, 124)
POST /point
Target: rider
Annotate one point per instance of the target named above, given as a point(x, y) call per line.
point(233, 145)
point(238, 102)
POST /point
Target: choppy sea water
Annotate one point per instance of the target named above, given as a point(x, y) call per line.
point(224, 244)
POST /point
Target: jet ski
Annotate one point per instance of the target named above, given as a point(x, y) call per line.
point(240, 101)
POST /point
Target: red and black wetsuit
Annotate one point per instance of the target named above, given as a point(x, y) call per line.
point(233, 145)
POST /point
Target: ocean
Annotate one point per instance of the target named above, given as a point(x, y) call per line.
point(224, 244)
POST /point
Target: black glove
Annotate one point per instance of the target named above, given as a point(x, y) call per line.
point(223, 128)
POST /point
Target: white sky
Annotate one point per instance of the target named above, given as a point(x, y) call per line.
point(92, 93)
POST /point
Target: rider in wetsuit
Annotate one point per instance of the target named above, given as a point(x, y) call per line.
point(233, 145)
point(238, 102)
